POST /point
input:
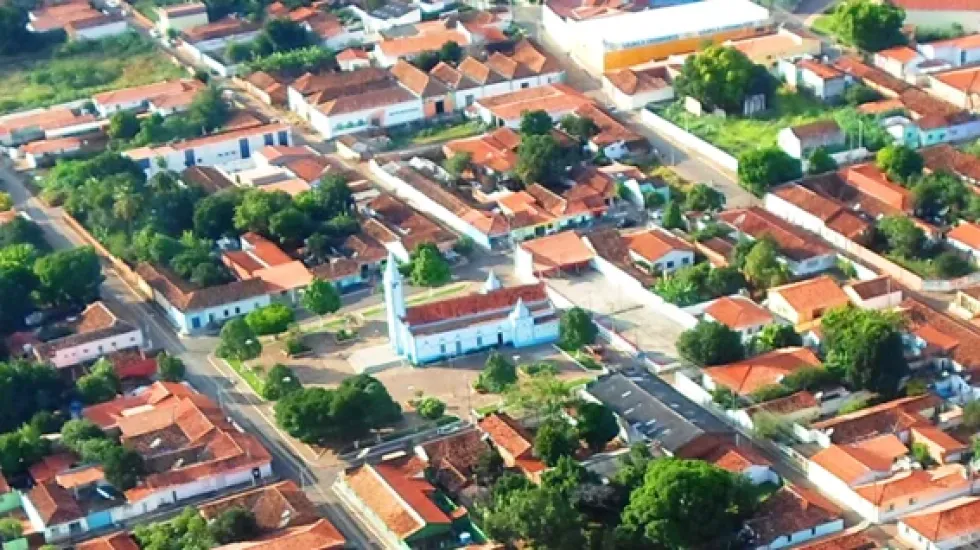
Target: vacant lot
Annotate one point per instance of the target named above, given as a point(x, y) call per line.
point(67, 75)
point(737, 135)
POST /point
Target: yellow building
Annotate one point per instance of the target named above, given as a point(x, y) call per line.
point(625, 38)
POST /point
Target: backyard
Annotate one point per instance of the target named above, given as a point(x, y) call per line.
point(73, 72)
point(435, 134)
point(737, 135)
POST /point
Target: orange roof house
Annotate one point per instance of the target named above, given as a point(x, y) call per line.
point(944, 525)
point(965, 236)
point(506, 109)
point(790, 510)
point(872, 181)
point(749, 375)
point(863, 462)
point(397, 498)
point(804, 301)
point(513, 443)
point(659, 249)
point(738, 313)
point(494, 152)
point(564, 251)
point(116, 541)
point(894, 417)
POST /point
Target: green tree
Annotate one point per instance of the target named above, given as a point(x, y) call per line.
point(597, 425)
point(321, 297)
point(949, 265)
point(14, 36)
point(687, 504)
point(271, 319)
point(17, 283)
point(428, 267)
point(238, 52)
point(497, 375)
point(633, 467)
point(95, 388)
point(859, 94)
point(899, 163)
point(538, 159)
point(760, 169)
point(868, 25)
point(672, 217)
point(536, 123)
point(69, 276)
point(710, 343)
point(316, 415)
point(76, 432)
point(971, 415)
point(677, 289)
point(238, 341)
point(188, 531)
point(865, 347)
point(20, 449)
point(578, 126)
point(289, 226)
point(541, 518)
point(820, 162)
point(123, 468)
point(457, 163)
point(10, 529)
point(576, 329)
point(326, 201)
point(170, 368)
point(124, 125)
point(280, 381)
point(721, 76)
point(555, 438)
point(431, 408)
point(235, 524)
point(701, 197)
point(6, 202)
point(902, 236)
point(943, 195)
point(255, 211)
point(214, 215)
point(762, 266)
point(776, 336)
point(543, 395)
point(451, 53)
point(208, 110)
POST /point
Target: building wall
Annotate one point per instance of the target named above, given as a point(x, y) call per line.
point(97, 348)
point(218, 43)
point(390, 539)
point(51, 533)
point(101, 31)
point(390, 115)
point(180, 23)
point(435, 347)
point(184, 322)
point(636, 101)
point(800, 537)
point(944, 18)
point(920, 542)
point(634, 56)
point(218, 153)
point(374, 25)
point(670, 262)
point(953, 95)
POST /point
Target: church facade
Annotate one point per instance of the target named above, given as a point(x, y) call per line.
point(495, 317)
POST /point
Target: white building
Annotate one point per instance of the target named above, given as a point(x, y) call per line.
point(96, 333)
point(740, 314)
point(177, 94)
point(94, 28)
point(941, 14)
point(232, 149)
point(620, 39)
point(802, 253)
point(800, 141)
point(392, 14)
point(495, 317)
point(953, 524)
point(635, 88)
point(823, 81)
point(181, 17)
point(659, 250)
point(192, 310)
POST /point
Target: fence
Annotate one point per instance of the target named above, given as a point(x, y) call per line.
point(689, 141)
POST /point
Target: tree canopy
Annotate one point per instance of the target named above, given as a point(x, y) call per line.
point(238, 341)
point(576, 329)
point(555, 439)
point(866, 348)
point(710, 343)
point(597, 425)
point(274, 318)
point(316, 415)
point(760, 169)
point(427, 266)
point(536, 123)
point(761, 264)
point(722, 77)
point(170, 368)
point(280, 381)
point(869, 25)
point(899, 163)
point(687, 504)
point(321, 297)
point(497, 375)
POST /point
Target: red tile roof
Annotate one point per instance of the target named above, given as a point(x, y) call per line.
point(148, 92)
point(50, 466)
point(494, 150)
point(845, 541)
point(938, 5)
point(54, 504)
point(947, 521)
point(158, 395)
point(632, 81)
point(222, 28)
point(475, 304)
point(555, 99)
point(966, 351)
point(887, 418)
point(738, 312)
point(321, 535)
point(872, 181)
point(563, 250)
point(508, 434)
point(902, 54)
point(489, 223)
point(791, 510)
point(967, 233)
point(654, 244)
point(852, 463)
point(946, 158)
point(455, 458)
point(115, 541)
point(793, 242)
point(396, 492)
point(747, 376)
point(812, 297)
point(918, 484)
point(825, 72)
point(275, 506)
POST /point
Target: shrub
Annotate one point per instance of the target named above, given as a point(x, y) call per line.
point(271, 319)
point(854, 405)
point(431, 408)
point(279, 381)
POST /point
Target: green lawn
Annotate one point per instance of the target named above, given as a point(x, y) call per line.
point(436, 134)
point(737, 135)
point(249, 374)
point(60, 78)
point(823, 25)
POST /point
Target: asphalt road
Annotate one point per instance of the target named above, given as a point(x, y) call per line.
point(206, 375)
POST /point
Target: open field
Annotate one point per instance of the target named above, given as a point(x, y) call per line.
point(64, 76)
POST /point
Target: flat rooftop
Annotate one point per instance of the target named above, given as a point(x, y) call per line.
point(635, 29)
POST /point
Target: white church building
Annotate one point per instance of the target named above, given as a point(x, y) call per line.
point(496, 316)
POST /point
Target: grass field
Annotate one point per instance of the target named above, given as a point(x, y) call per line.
point(737, 135)
point(70, 76)
point(435, 134)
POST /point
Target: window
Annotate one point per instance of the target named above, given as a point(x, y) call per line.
point(479, 341)
point(226, 313)
point(685, 261)
point(237, 310)
point(442, 349)
point(670, 265)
